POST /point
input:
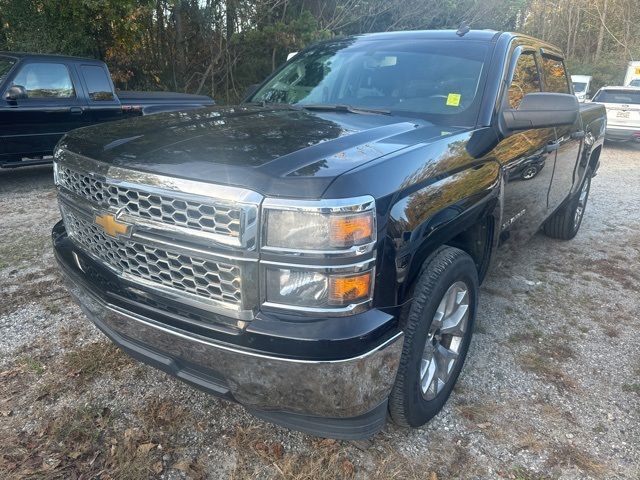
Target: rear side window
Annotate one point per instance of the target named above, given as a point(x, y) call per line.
point(98, 83)
point(526, 79)
point(555, 76)
point(45, 80)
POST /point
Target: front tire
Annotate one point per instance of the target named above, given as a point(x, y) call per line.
point(437, 335)
point(565, 223)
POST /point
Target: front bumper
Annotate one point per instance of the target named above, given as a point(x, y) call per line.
point(343, 398)
point(620, 133)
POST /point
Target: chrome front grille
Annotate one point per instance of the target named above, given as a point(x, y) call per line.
point(196, 276)
point(185, 241)
point(204, 215)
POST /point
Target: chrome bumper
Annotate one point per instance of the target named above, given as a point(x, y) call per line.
point(270, 386)
point(617, 132)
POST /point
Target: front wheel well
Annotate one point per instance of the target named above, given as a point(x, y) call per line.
point(477, 241)
point(594, 157)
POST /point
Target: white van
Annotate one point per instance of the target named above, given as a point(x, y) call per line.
point(633, 74)
point(581, 86)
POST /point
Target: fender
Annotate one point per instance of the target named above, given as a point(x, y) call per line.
point(423, 219)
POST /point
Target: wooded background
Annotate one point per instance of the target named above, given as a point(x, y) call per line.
point(220, 47)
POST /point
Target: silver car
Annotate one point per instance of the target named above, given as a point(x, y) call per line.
point(623, 112)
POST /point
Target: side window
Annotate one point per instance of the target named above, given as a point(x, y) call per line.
point(98, 83)
point(45, 80)
point(555, 77)
point(526, 79)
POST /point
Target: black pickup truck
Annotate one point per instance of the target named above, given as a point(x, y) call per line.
point(42, 97)
point(315, 252)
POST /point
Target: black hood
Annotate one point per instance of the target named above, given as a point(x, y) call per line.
point(278, 151)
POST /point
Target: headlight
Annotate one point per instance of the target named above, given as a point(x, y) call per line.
point(297, 233)
point(313, 289)
point(323, 226)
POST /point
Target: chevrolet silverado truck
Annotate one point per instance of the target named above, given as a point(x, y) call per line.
point(315, 252)
point(42, 97)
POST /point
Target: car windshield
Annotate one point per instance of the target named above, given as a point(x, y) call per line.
point(635, 83)
point(618, 96)
point(440, 81)
point(579, 87)
point(5, 65)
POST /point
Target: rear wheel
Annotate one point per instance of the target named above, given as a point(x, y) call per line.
point(437, 336)
point(565, 223)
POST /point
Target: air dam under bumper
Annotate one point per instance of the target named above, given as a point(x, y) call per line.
point(340, 399)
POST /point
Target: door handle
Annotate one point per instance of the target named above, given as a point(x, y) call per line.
point(577, 135)
point(551, 147)
point(76, 110)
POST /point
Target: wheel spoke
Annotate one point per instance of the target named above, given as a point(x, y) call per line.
point(428, 370)
point(455, 324)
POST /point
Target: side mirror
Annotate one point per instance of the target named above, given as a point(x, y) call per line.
point(16, 92)
point(542, 110)
point(291, 55)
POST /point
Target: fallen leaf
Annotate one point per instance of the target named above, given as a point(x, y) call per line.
point(277, 450)
point(348, 468)
point(183, 465)
point(157, 467)
point(144, 448)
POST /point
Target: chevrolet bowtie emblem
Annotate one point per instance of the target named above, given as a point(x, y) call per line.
point(111, 226)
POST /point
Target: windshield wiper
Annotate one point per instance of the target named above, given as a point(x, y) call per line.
point(341, 107)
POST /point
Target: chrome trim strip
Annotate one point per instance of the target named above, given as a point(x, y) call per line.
point(349, 252)
point(208, 343)
point(133, 177)
point(337, 205)
point(349, 268)
point(334, 312)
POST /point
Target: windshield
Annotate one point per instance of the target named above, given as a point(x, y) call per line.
point(438, 80)
point(635, 83)
point(618, 96)
point(579, 87)
point(5, 65)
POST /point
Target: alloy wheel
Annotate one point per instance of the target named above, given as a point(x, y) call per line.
point(444, 340)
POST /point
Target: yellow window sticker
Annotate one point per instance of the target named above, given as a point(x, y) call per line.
point(453, 100)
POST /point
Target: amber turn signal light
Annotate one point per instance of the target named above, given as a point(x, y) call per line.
point(348, 230)
point(347, 289)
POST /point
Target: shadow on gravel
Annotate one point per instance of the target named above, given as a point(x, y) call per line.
point(25, 178)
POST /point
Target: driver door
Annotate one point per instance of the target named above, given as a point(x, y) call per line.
point(527, 157)
point(33, 125)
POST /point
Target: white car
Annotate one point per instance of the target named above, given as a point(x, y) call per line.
point(623, 112)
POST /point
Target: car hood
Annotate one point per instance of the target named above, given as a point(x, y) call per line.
point(277, 151)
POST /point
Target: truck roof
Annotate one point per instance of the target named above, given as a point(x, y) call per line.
point(48, 56)
point(483, 35)
point(471, 35)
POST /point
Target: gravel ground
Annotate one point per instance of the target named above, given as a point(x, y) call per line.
point(550, 389)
